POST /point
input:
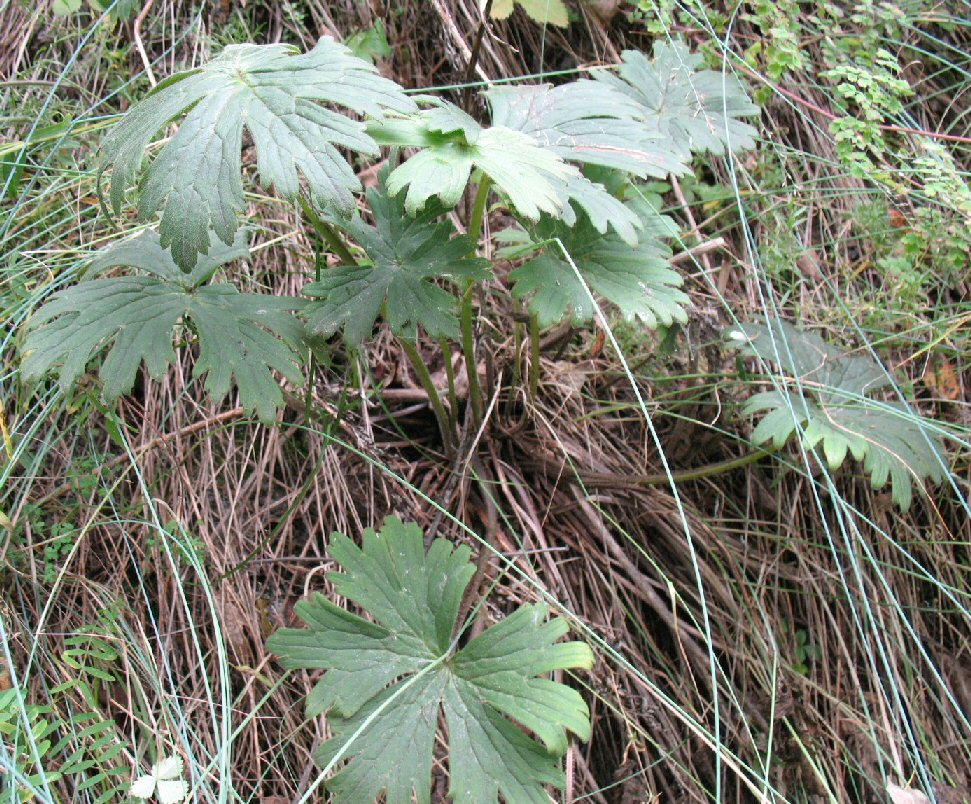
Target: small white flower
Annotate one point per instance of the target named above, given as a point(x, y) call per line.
point(164, 781)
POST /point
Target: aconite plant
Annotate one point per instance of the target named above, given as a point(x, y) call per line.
point(568, 164)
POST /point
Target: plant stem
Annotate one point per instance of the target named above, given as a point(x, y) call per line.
point(478, 208)
point(327, 232)
point(312, 368)
point(517, 366)
point(426, 382)
point(468, 335)
point(534, 356)
point(453, 405)
point(468, 350)
point(606, 480)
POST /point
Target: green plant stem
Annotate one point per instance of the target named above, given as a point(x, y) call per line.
point(426, 382)
point(450, 376)
point(534, 356)
point(517, 366)
point(327, 232)
point(478, 208)
point(468, 335)
point(662, 479)
point(312, 367)
point(468, 351)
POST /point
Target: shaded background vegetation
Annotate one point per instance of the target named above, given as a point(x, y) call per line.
point(149, 550)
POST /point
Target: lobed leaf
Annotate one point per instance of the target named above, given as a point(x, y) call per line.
point(587, 122)
point(638, 280)
point(693, 110)
point(453, 144)
point(542, 11)
point(828, 408)
point(407, 253)
point(388, 680)
point(243, 338)
point(273, 94)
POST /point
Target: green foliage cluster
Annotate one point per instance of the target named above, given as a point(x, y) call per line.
point(82, 748)
point(567, 163)
point(387, 680)
point(645, 121)
point(828, 404)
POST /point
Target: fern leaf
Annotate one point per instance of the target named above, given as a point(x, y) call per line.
point(828, 408)
point(274, 95)
point(407, 253)
point(386, 681)
point(693, 110)
point(243, 337)
point(638, 280)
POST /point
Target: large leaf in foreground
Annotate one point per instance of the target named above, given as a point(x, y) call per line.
point(390, 678)
point(243, 337)
point(694, 110)
point(406, 254)
point(276, 96)
point(638, 280)
point(828, 407)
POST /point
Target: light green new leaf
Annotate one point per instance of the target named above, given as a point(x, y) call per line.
point(832, 410)
point(406, 254)
point(276, 96)
point(243, 338)
point(390, 678)
point(694, 110)
point(542, 11)
point(453, 144)
point(638, 280)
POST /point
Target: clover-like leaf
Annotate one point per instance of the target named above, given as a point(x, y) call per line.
point(694, 110)
point(276, 96)
point(452, 144)
point(386, 681)
point(828, 407)
point(638, 280)
point(406, 254)
point(243, 337)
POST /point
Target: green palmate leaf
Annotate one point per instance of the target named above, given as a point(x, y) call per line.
point(243, 338)
point(828, 408)
point(406, 253)
point(824, 369)
point(693, 110)
point(388, 680)
point(276, 96)
point(542, 11)
point(589, 123)
point(452, 144)
point(638, 280)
